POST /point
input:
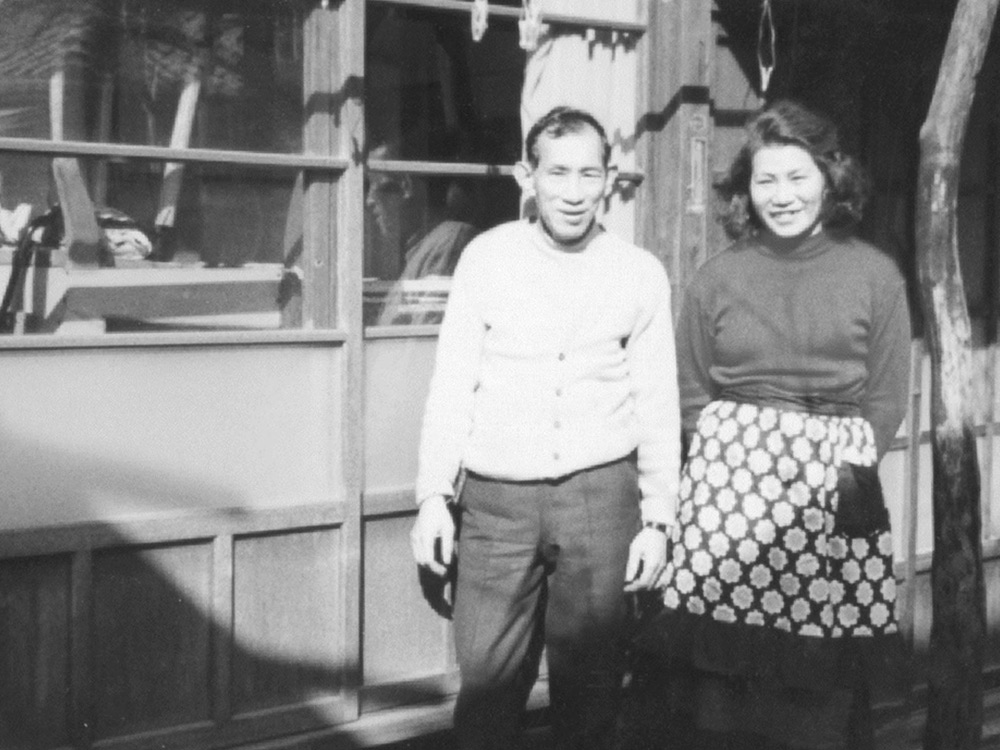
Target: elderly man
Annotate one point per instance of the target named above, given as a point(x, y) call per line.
point(555, 394)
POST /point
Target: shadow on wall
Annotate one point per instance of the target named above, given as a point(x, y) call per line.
point(189, 629)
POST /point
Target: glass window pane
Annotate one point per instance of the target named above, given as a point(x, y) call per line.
point(416, 229)
point(224, 215)
point(431, 93)
point(223, 254)
point(223, 74)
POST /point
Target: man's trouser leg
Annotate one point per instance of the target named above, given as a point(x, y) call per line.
point(593, 518)
point(499, 595)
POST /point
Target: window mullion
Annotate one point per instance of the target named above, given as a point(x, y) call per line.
point(570, 19)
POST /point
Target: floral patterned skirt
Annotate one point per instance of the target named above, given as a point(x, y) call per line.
point(772, 595)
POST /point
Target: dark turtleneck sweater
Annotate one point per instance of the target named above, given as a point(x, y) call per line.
point(823, 326)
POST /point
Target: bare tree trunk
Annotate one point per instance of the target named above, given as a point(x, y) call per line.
point(955, 710)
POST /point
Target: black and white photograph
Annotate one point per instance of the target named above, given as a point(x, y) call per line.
point(499, 375)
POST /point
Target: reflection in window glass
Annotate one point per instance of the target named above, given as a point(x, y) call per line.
point(416, 228)
point(223, 74)
point(224, 215)
point(432, 93)
point(227, 260)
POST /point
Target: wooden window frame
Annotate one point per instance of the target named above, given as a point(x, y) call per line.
point(328, 66)
point(572, 19)
point(467, 169)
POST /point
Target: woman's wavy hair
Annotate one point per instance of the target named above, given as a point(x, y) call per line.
point(787, 122)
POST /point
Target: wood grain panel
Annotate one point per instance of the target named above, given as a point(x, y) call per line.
point(397, 373)
point(151, 637)
point(403, 636)
point(288, 635)
point(34, 653)
point(991, 573)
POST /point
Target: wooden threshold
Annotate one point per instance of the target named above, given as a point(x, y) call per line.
point(387, 727)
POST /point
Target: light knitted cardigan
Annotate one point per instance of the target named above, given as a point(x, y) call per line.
point(550, 362)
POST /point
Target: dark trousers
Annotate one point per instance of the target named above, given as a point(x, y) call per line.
point(543, 564)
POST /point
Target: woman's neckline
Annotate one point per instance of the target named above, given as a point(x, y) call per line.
point(792, 249)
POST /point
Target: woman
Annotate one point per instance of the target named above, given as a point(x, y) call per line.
point(793, 358)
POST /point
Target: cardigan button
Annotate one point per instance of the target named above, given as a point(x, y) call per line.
point(562, 356)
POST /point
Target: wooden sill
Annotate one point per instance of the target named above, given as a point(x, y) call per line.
point(68, 299)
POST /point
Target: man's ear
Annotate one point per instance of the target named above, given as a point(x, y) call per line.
point(609, 180)
point(523, 173)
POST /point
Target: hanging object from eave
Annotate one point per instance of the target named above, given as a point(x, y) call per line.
point(480, 18)
point(530, 24)
point(765, 45)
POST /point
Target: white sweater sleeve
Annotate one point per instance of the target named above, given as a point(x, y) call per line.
point(448, 412)
point(653, 371)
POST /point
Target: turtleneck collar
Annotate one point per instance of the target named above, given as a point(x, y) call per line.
point(794, 249)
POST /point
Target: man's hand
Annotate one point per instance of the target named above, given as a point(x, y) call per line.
point(433, 522)
point(647, 559)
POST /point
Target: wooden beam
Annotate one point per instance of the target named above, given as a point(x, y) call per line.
point(465, 169)
point(958, 629)
point(82, 235)
point(675, 124)
point(612, 19)
point(39, 147)
point(911, 495)
point(346, 234)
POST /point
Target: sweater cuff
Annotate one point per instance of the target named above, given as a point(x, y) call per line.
point(446, 492)
point(658, 510)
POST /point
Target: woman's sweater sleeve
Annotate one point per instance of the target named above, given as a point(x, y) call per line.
point(885, 401)
point(694, 356)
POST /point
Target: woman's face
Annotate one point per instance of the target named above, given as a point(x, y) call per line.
point(787, 189)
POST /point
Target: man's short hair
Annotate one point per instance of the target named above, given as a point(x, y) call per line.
point(561, 120)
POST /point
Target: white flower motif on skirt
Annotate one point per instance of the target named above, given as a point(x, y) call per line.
point(755, 542)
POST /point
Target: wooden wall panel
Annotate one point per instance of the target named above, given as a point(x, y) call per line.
point(151, 638)
point(132, 432)
point(922, 619)
point(397, 373)
point(893, 473)
point(34, 653)
point(404, 638)
point(134, 636)
point(672, 213)
point(922, 612)
point(991, 522)
point(991, 573)
point(289, 643)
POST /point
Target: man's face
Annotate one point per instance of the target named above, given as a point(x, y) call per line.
point(569, 183)
point(384, 198)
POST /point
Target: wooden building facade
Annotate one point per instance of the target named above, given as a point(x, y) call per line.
point(210, 397)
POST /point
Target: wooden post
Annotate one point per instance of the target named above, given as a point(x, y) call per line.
point(674, 202)
point(955, 698)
